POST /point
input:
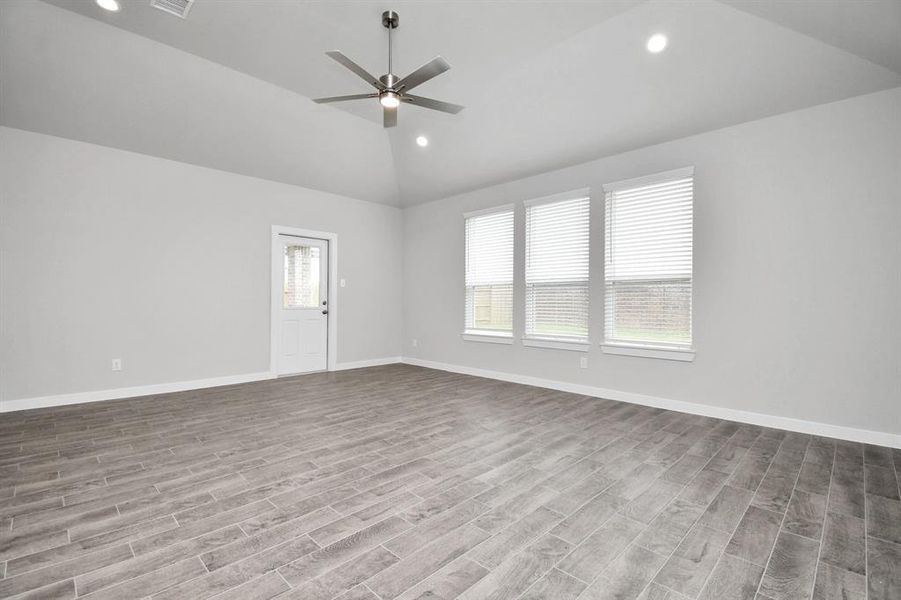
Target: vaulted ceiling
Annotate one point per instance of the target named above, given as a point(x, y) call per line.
point(545, 84)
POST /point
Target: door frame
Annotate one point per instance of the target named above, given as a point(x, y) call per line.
point(275, 292)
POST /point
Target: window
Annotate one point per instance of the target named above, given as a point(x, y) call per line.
point(489, 273)
point(557, 240)
point(648, 274)
point(301, 277)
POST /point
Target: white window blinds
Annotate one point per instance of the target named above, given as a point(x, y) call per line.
point(648, 270)
point(489, 273)
point(557, 252)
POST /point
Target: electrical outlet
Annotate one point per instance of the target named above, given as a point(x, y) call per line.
point(415, 342)
point(583, 362)
point(117, 364)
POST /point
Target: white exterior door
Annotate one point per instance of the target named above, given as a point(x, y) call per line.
point(303, 322)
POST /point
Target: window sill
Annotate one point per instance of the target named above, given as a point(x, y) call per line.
point(490, 338)
point(684, 355)
point(556, 344)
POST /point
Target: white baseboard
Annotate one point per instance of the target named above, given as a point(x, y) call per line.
point(812, 427)
point(165, 388)
point(371, 362)
point(742, 416)
point(130, 392)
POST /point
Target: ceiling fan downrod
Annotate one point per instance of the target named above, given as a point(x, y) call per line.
point(390, 20)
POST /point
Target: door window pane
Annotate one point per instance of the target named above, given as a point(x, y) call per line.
point(301, 276)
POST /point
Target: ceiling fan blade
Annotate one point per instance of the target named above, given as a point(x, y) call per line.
point(433, 104)
point(389, 117)
point(343, 98)
point(360, 71)
point(433, 68)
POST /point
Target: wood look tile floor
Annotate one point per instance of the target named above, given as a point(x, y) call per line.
point(409, 483)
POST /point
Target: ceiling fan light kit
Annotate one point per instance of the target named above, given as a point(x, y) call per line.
point(392, 90)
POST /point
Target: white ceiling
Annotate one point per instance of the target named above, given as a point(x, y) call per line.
point(869, 28)
point(546, 84)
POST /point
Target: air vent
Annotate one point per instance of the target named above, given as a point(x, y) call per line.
point(179, 8)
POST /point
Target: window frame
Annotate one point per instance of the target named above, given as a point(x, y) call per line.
point(685, 353)
point(578, 344)
point(492, 336)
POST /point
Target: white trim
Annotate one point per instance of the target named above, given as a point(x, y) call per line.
point(649, 179)
point(275, 276)
point(130, 392)
point(580, 194)
point(371, 362)
point(489, 211)
point(865, 436)
point(685, 355)
point(537, 342)
point(491, 338)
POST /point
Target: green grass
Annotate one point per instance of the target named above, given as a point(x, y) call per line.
point(641, 335)
point(561, 330)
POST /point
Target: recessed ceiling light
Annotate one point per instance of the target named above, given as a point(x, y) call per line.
point(422, 141)
point(656, 43)
point(110, 5)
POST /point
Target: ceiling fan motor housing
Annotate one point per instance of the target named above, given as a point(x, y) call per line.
point(389, 80)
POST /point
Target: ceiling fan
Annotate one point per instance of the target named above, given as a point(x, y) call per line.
point(391, 90)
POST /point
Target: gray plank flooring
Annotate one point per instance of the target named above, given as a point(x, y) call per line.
point(410, 483)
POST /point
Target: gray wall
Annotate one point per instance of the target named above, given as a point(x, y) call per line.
point(107, 253)
point(797, 297)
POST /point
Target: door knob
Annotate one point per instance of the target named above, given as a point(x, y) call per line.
point(325, 312)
